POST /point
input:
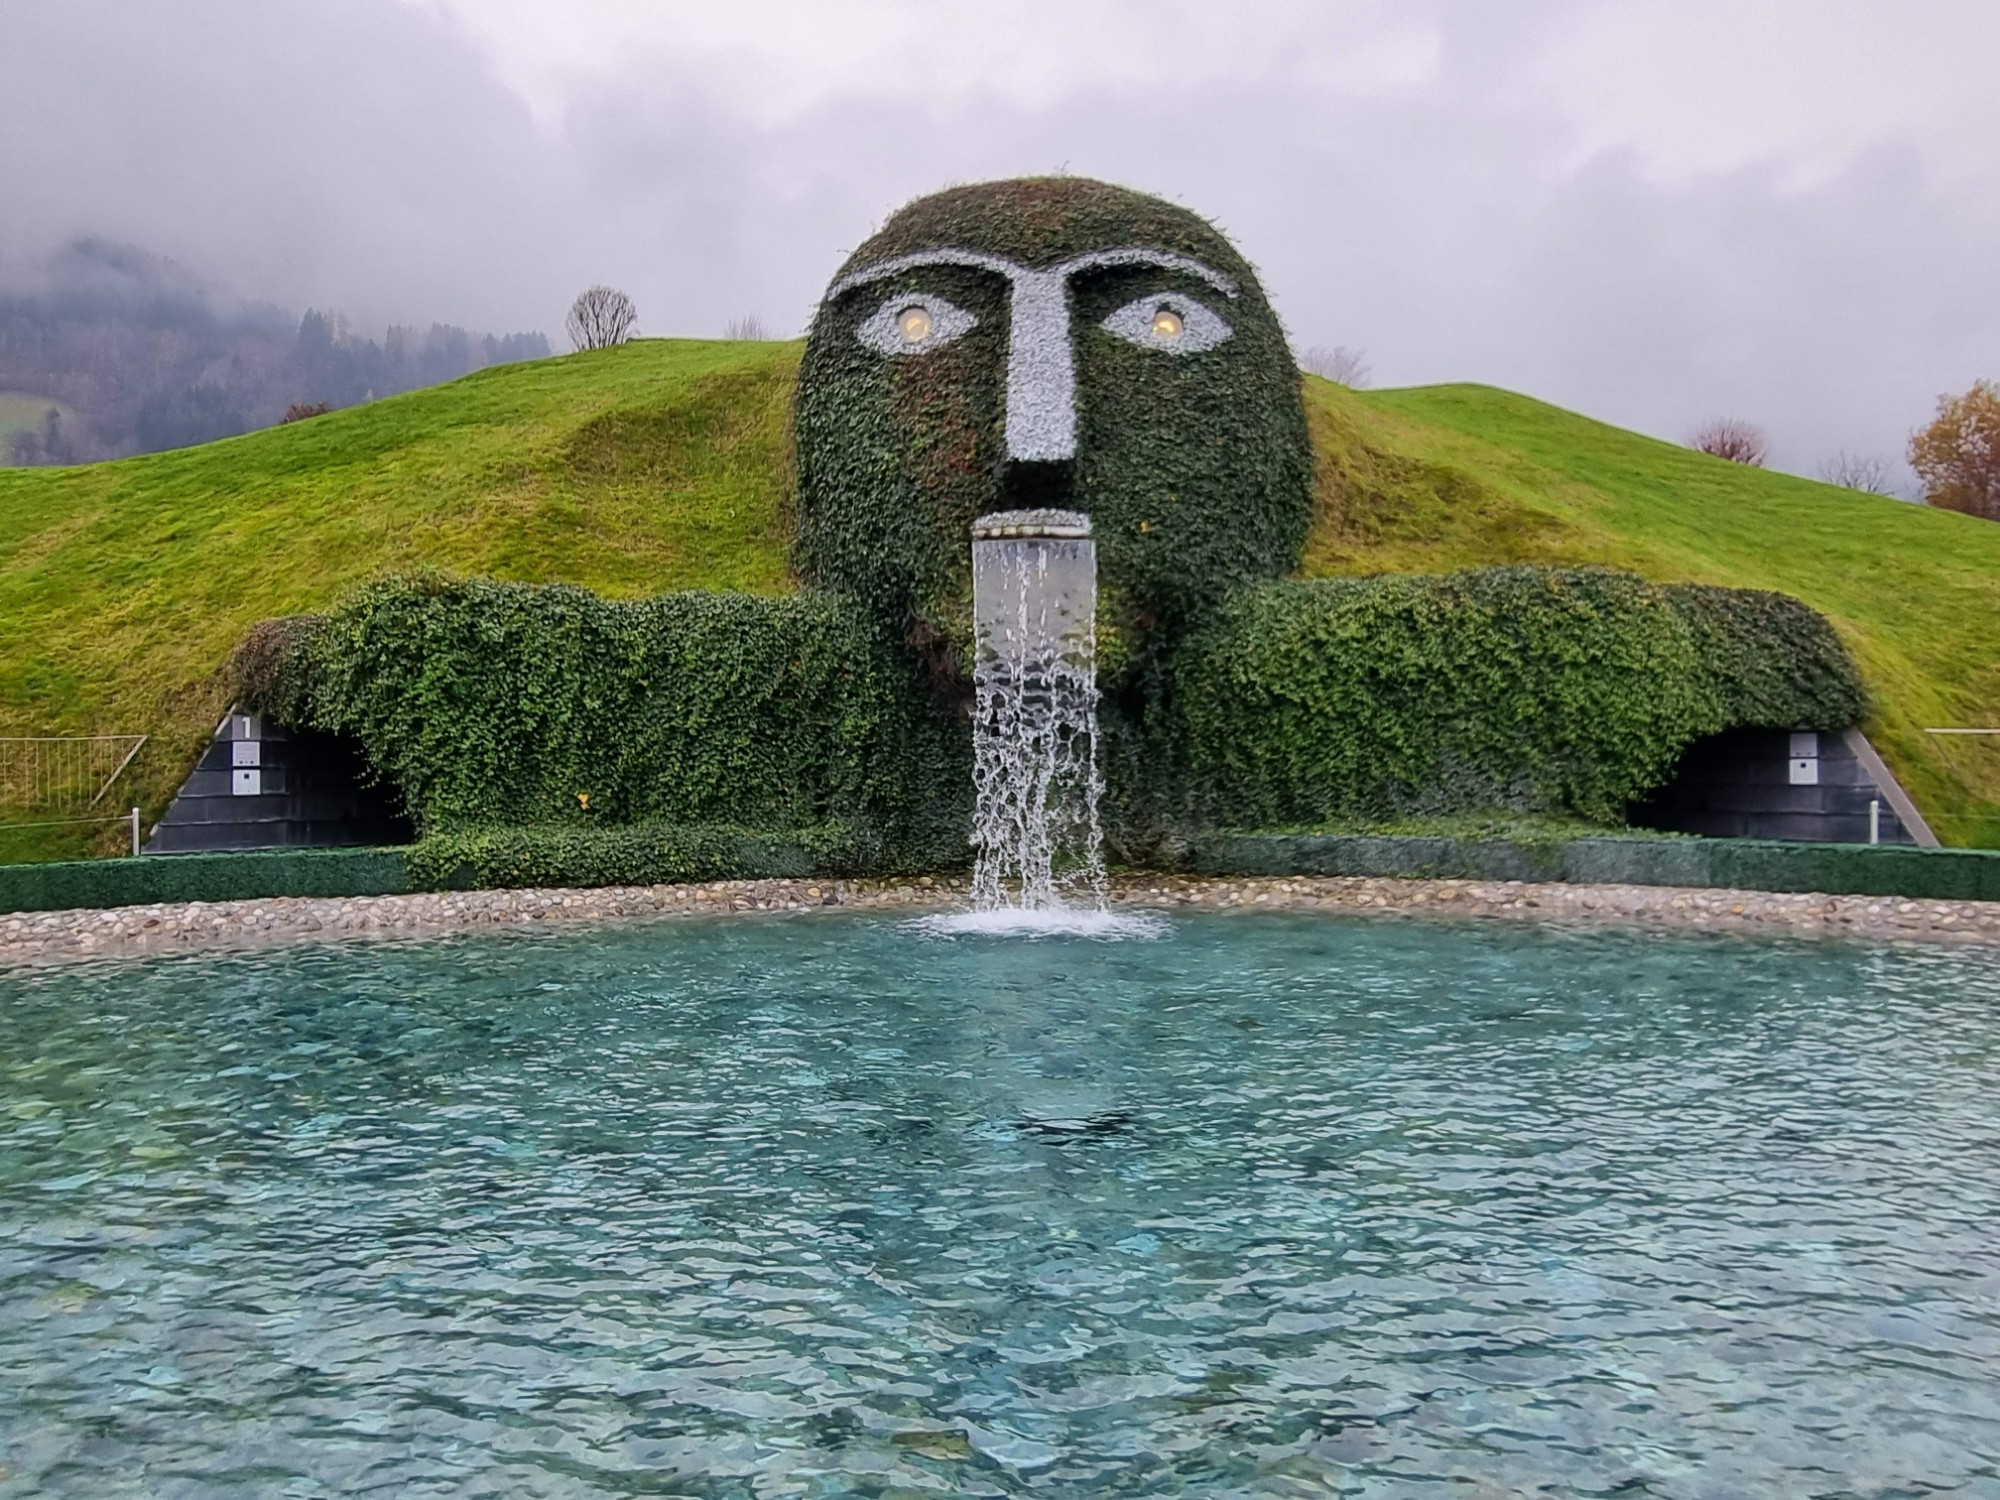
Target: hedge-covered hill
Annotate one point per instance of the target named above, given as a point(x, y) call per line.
point(664, 465)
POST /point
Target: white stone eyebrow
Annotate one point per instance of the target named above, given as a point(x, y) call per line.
point(975, 259)
point(1014, 271)
point(1164, 260)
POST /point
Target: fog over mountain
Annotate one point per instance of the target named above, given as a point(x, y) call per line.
point(1657, 212)
point(132, 353)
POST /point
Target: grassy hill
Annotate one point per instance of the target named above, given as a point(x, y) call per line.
point(664, 464)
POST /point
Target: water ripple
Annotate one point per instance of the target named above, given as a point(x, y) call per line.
point(1275, 1206)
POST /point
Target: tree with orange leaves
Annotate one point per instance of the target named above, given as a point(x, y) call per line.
point(1958, 455)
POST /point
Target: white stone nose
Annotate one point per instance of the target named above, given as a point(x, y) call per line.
point(1041, 371)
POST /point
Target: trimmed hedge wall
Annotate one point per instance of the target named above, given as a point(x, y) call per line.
point(202, 877)
point(1195, 469)
point(507, 858)
point(1538, 690)
point(493, 705)
point(1713, 864)
point(524, 858)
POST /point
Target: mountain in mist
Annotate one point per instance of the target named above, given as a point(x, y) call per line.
point(115, 350)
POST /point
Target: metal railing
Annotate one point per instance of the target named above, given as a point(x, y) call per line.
point(51, 773)
point(64, 774)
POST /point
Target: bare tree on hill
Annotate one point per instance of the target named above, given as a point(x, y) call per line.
point(601, 317)
point(1859, 471)
point(1739, 442)
point(747, 329)
point(1338, 363)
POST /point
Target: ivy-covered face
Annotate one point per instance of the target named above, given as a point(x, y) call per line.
point(1048, 342)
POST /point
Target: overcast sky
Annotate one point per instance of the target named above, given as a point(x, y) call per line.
point(1653, 211)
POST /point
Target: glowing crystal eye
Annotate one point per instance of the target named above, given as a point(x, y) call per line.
point(1176, 325)
point(914, 324)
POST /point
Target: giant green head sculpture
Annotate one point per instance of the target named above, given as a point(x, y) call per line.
point(1048, 342)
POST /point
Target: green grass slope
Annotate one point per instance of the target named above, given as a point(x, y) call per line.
point(664, 464)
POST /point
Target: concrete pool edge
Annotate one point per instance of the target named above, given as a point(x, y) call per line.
point(183, 927)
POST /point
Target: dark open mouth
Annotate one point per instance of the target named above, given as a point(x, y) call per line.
point(1036, 485)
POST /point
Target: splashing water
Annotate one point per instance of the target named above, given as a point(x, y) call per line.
point(1035, 770)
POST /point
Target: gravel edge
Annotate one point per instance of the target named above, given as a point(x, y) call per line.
point(42, 937)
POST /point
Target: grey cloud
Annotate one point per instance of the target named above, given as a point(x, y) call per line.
point(365, 158)
point(353, 155)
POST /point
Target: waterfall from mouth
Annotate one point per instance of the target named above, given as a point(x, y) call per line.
point(1035, 765)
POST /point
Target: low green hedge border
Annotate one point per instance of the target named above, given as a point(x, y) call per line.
point(1711, 864)
point(513, 858)
point(524, 858)
point(499, 859)
point(163, 878)
point(1535, 690)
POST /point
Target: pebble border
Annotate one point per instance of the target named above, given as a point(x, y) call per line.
point(39, 937)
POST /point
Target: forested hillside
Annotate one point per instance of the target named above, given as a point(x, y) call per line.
point(111, 351)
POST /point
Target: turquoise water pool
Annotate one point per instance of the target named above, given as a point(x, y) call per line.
point(1272, 1206)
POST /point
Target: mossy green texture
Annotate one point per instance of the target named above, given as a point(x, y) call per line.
point(1196, 469)
point(1537, 690)
point(489, 705)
